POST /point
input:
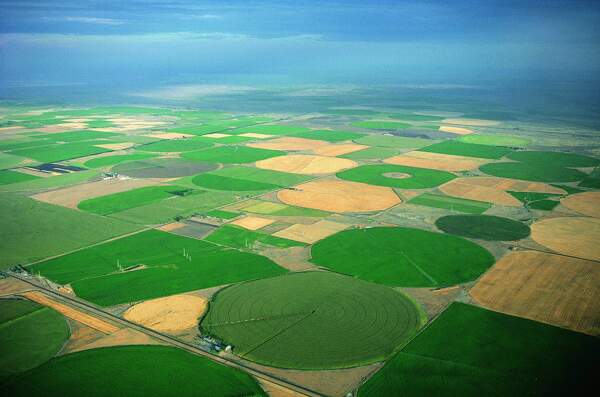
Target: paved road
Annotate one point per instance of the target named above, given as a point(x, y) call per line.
point(92, 309)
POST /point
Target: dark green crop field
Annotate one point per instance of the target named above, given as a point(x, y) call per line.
point(468, 149)
point(7, 177)
point(63, 229)
point(133, 371)
point(451, 203)
point(30, 333)
point(312, 320)
point(396, 176)
point(237, 237)
point(554, 159)
point(247, 179)
point(96, 272)
point(232, 154)
point(484, 227)
point(469, 351)
point(533, 171)
point(405, 257)
point(58, 152)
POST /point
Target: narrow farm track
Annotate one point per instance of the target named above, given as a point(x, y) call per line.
point(94, 310)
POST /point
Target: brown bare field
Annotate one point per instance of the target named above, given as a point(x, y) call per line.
point(172, 314)
point(433, 300)
point(289, 143)
point(256, 135)
point(252, 222)
point(171, 226)
point(62, 127)
point(543, 287)
point(216, 135)
point(436, 161)
point(493, 190)
point(340, 196)
point(274, 390)
point(455, 130)
point(338, 150)
point(67, 311)
point(575, 236)
point(587, 203)
point(117, 146)
point(311, 233)
point(13, 128)
point(292, 258)
point(9, 286)
point(470, 122)
point(71, 196)
point(306, 164)
point(169, 135)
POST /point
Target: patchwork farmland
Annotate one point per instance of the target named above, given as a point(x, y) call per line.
point(344, 252)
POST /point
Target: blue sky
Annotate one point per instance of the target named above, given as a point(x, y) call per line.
point(297, 42)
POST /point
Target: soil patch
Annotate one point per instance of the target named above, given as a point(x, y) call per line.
point(311, 233)
point(339, 150)
point(573, 236)
point(169, 135)
point(289, 143)
point(587, 203)
point(252, 222)
point(455, 130)
point(436, 161)
point(306, 164)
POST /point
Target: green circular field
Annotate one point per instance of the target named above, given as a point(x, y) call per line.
point(30, 333)
point(133, 371)
point(312, 320)
point(533, 171)
point(163, 168)
point(397, 176)
point(554, 159)
point(175, 145)
point(403, 257)
point(484, 227)
point(495, 140)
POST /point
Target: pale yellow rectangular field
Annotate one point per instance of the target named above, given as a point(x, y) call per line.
point(265, 207)
point(116, 146)
point(311, 233)
point(552, 289)
point(252, 222)
point(455, 130)
point(256, 135)
point(338, 150)
point(216, 135)
point(169, 135)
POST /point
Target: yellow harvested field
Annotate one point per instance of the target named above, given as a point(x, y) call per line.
point(338, 150)
point(71, 196)
point(256, 135)
point(470, 122)
point(252, 222)
point(311, 233)
point(574, 236)
point(306, 164)
point(62, 127)
point(117, 146)
point(587, 203)
point(172, 314)
point(13, 128)
point(171, 226)
point(72, 313)
point(436, 161)
point(169, 135)
point(216, 135)
point(289, 143)
point(340, 196)
point(549, 288)
point(493, 190)
point(455, 130)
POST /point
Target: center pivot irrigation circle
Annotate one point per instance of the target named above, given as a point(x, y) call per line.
point(312, 320)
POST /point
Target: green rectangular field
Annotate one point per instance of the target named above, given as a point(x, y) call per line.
point(469, 351)
point(117, 202)
point(271, 129)
point(9, 160)
point(77, 136)
point(468, 149)
point(259, 175)
point(270, 208)
point(169, 264)
point(396, 142)
point(237, 237)
point(328, 135)
point(223, 214)
point(53, 182)
point(451, 203)
point(58, 152)
point(8, 177)
point(62, 230)
point(118, 159)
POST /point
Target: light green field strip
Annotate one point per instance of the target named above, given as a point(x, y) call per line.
point(52, 182)
point(8, 177)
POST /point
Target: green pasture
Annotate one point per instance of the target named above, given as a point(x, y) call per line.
point(117, 159)
point(544, 205)
point(133, 371)
point(223, 214)
point(328, 135)
point(9, 161)
point(384, 175)
point(175, 145)
point(272, 129)
point(458, 148)
point(405, 257)
point(371, 153)
point(238, 237)
point(495, 140)
point(396, 142)
point(451, 203)
point(77, 136)
point(469, 351)
point(483, 227)
point(39, 230)
point(554, 159)
point(247, 179)
point(232, 154)
point(278, 209)
point(58, 152)
point(312, 320)
point(533, 171)
point(188, 264)
point(218, 182)
point(53, 182)
point(8, 177)
point(30, 333)
point(117, 202)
